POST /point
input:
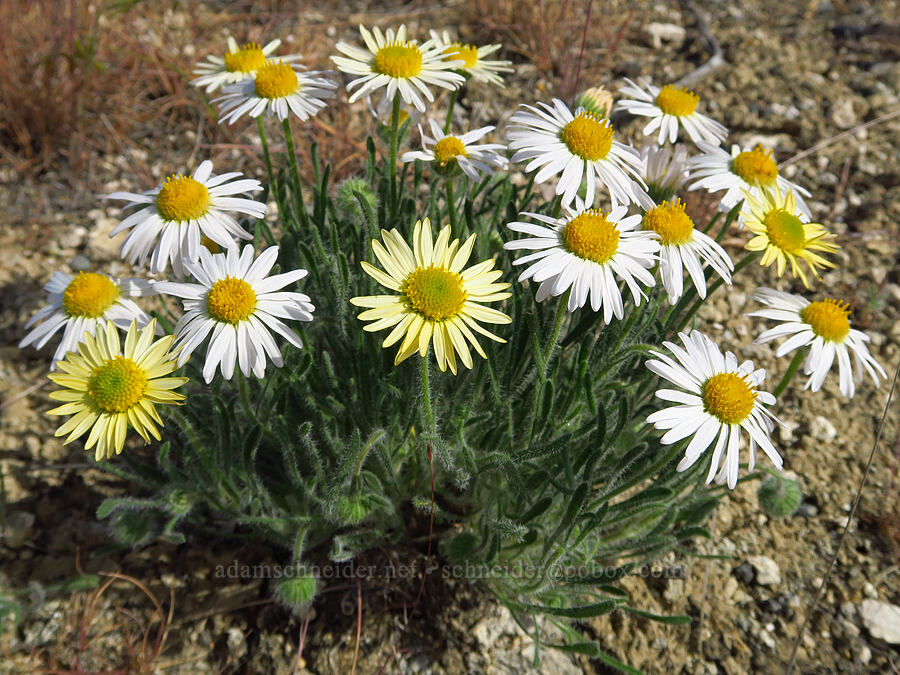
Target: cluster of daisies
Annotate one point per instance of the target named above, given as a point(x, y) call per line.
point(188, 227)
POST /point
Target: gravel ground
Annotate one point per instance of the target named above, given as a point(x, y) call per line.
point(801, 79)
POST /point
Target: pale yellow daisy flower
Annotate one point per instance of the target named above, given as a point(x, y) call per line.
point(435, 300)
point(108, 388)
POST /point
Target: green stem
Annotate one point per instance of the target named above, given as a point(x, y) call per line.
point(295, 173)
point(450, 111)
point(392, 167)
point(426, 395)
point(746, 260)
point(266, 157)
point(451, 204)
point(712, 221)
point(789, 375)
point(557, 327)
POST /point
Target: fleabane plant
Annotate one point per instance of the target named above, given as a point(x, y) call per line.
point(583, 439)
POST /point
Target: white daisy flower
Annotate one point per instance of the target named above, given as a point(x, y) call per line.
point(400, 65)
point(670, 109)
point(716, 398)
point(79, 304)
point(474, 64)
point(178, 213)
point(585, 251)
point(448, 152)
point(824, 327)
point(664, 170)
point(577, 147)
point(237, 64)
point(752, 170)
point(240, 304)
point(277, 89)
point(684, 247)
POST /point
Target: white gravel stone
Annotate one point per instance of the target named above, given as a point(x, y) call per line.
point(767, 571)
point(881, 620)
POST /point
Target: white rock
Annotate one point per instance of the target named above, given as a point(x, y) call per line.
point(665, 32)
point(881, 620)
point(822, 429)
point(767, 572)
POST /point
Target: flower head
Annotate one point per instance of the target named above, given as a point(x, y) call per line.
point(435, 300)
point(824, 327)
point(578, 146)
point(449, 152)
point(783, 236)
point(277, 88)
point(585, 251)
point(595, 100)
point(176, 215)
point(108, 387)
point(684, 247)
point(716, 398)
point(664, 171)
point(473, 62)
point(237, 64)
point(401, 65)
point(238, 303)
point(753, 170)
point(671, 109)
point(82, 303)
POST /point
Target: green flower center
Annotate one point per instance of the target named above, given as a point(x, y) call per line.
point(785, 230)
point(435, 292)
point(117, 385)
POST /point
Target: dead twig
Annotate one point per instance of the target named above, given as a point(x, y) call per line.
point(824, 143)
point(850, 516)
point(716, 60)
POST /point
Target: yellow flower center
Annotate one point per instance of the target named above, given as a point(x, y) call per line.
point(247, 59)
point(435, 292)
point(461, 52)
point(755, 166)
point(728, 397)
point(670, 222)
point(448, 149)
point(828, 318)
point(230, 300)
point(587, 136)
point(181, 199)
point(785, 230)
point(399, 60)
point(117, 385)
point(275, 80)
point(210, 245)
point(89, 295)
point(591, 236)
point(674, 101)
